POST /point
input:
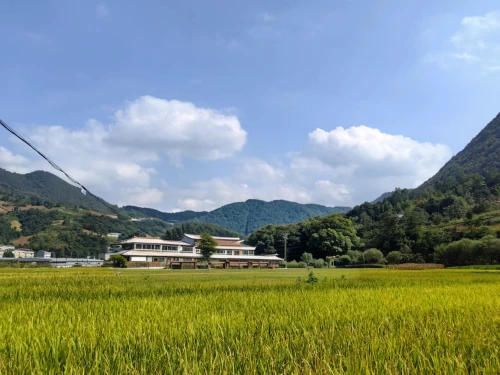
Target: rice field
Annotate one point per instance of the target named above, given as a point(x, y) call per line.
point(373, 321)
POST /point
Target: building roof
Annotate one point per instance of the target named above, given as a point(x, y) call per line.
point(240, 247)
point(197, 237)
point(154, 241)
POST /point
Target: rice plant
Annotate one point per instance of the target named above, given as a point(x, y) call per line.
point(93, 321)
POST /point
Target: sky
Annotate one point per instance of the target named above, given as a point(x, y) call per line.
point(196, 104)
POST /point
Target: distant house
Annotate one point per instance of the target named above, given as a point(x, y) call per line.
point(114, 235)
point(43, 254)
point(23, 253)
point(7, 248)
point(157, 250)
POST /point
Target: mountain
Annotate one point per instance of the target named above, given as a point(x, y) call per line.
point(140, 212)
point(383, 197)
point(246, 217)
point(480, 156)
point(176, 233)
point(39, 187)
point(460, 202)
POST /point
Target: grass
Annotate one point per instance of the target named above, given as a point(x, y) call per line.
point(372, 321)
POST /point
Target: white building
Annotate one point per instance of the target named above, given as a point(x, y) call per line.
point(23, 253)
point(114, 235)
point(155, 250)
point(18, 253)
point(43, 254)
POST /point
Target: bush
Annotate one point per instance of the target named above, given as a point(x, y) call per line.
point(356, 256)
point(118, 261)
point(319, 263)
point(394, 257)
point(293, 264)
point(416, 266)
point(307, 258)
point(373, 256)
point(9, 254)
point(343, 261)
point(467, 252)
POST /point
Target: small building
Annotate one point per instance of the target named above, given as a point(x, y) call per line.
point(114, 235)
point(23, 253)
point(43, 254)
point(229, 251)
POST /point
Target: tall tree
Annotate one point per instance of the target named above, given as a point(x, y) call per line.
point(207, 246)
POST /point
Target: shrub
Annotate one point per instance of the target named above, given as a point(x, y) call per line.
point(343, 261)
point(307, 258)
point(468, 252)
point(373, 256)
point(394, 257)
point(319, 263)
point(356, 256)
point(118, 261)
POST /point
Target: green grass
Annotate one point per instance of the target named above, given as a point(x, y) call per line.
point(90, 321)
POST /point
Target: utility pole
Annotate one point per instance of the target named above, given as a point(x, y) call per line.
point(285, 237)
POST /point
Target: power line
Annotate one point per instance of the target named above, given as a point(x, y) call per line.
point(55, 166)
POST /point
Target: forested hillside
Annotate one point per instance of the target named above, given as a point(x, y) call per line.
point(43, 188)
point(67, 231)
point(171, 217)
point(246, 217)
point(481, 155)
point(176, 233)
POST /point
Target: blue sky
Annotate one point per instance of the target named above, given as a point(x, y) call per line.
point(195, 104)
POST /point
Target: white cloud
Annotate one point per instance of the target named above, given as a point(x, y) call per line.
point(138, 196)
point(13, 162)
point(116, 160)
point(476, 41)
point(102, 11)
point(365, 149)
point(179, 129)
point(338, 167)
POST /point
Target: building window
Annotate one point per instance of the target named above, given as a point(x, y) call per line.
point(187, 249)
point(245, 252)
point(157, 247)
point(138, 246)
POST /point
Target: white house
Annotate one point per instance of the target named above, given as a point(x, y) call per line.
point(156, 250)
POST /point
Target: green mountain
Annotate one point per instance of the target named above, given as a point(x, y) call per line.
point(174, 217)
point(247, 217)
point(39, 188)
point(460, 203)
point(481, 156)
point(176, 233)
point(383, 197)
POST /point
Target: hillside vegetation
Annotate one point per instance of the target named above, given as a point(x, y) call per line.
point(247, 217)
point(171, 217)
point(44, 188)
point(68, 231)
point(176, 233)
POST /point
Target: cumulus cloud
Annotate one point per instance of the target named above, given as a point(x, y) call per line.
point(476, 41)
point(179, 129)
point(118, 160)
point(337, 167)
point(13, 162)
point(361, 149)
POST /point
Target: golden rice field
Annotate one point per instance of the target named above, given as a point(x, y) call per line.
point(373, 321)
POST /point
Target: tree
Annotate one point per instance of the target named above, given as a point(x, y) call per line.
point(373, 256)
point(207, 246)
point(9, 254)
point(394, 257)
point(307, 258)
point(119, 261)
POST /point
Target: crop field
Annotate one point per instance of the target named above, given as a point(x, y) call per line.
point(372, 321)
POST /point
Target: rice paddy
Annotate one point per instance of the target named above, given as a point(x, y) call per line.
point(373, 321)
